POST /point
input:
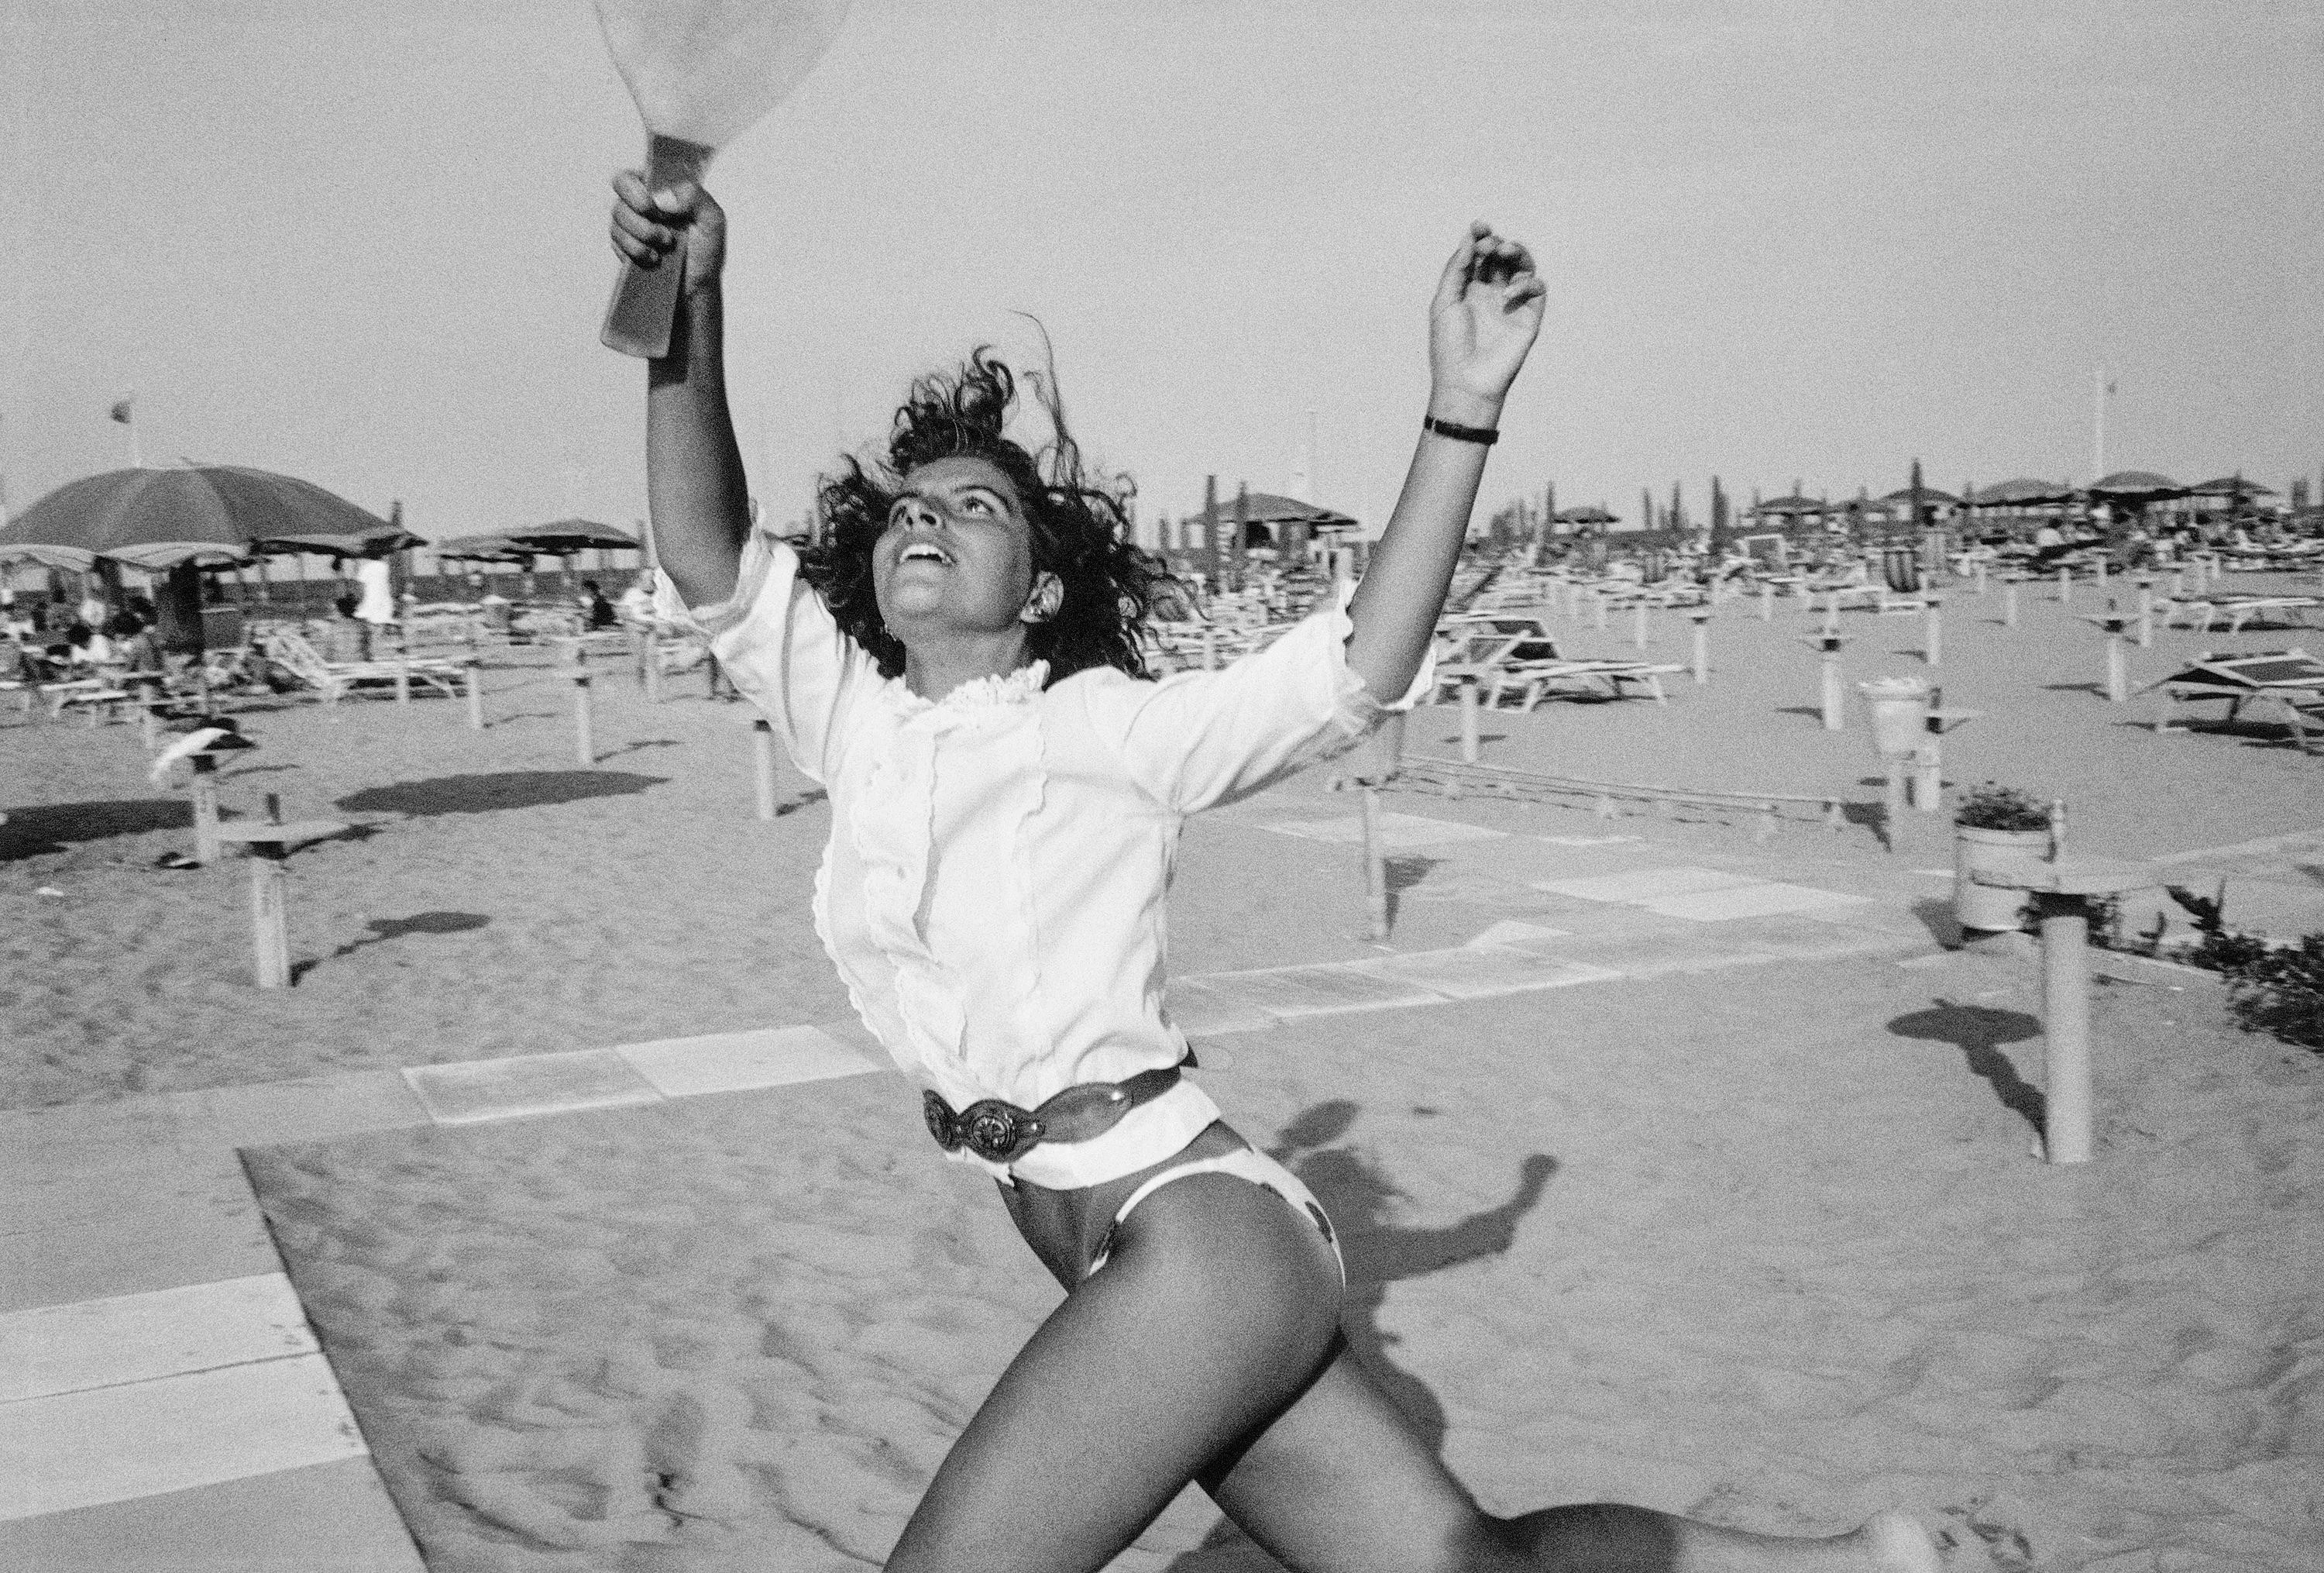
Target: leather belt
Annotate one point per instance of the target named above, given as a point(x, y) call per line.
point(1002, 1132)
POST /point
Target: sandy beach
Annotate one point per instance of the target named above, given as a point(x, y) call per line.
point(1765, 1242)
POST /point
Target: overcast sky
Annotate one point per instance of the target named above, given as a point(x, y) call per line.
point(362, 242)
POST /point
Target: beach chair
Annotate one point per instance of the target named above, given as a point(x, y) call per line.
point(2291, 682)
point(292, 651)
point(442, 623)
point(2239, 610)
point(1482, 648)
point(1612, 679)
point(98, 698)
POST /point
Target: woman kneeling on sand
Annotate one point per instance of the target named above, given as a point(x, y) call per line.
point(958, 665)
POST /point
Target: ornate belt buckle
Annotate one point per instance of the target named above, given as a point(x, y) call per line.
point(996, 1131)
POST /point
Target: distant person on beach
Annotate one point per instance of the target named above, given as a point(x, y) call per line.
point(346, 637)
point(958, 664)
point(636, 606)
point(596, 611)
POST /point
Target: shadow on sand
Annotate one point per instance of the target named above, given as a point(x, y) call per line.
point(1979, 1031)
point(486, 794)
point(386, 929)
point(46, 828)
point(1361, 1200)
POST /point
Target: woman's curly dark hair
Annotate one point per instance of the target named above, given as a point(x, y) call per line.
point(1080, 526)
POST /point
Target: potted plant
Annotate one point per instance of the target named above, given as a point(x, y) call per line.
point(1996, 828)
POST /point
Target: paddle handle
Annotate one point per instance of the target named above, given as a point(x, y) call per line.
point(645, 299)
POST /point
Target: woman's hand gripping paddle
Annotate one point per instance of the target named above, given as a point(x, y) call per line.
point(701, 72)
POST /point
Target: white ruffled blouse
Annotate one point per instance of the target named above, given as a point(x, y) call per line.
point(993, 891)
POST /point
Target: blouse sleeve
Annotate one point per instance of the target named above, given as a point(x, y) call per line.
point(784, 652)
point(1198, 739)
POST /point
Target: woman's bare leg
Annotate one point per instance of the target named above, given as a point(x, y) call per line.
point(1340, 1481)
point(1219, 1304)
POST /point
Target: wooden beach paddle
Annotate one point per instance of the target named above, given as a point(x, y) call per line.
point(701, 71)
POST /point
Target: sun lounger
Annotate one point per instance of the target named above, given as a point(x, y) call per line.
point(2239, 610)
point(100, 698)
point(1610, 678)
point(295, 656)
point(2289, 681)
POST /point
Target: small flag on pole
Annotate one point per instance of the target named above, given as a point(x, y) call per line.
point(120, 411)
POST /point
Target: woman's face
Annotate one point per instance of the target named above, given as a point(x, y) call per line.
point(956, 556)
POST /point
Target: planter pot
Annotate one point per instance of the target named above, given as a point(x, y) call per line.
point(1982, 906)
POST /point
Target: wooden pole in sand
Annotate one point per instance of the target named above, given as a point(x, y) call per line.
point(2145, 611)
point(1978, 567)
point(1702, 621)
point(1767, 603)
point(206, 811)
point(402, 679)
point(1210, 648)
point(1933, 639)
point(762, 745)
point(1375, 869)
point(1469, 719)
point(270, 925)
point(1639, 623)
point(2065, 926)
point(474, 670)
point(1835, 702)
point(2065, 586)
point(585, 749)
point(2117, 675)
point(270, 843)
point(2009, 601)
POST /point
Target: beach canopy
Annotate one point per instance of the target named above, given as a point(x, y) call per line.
point(1792, 505)
point(491, 548)
point(1590, 515)
point(158, 518)
point(567, 536)
point(2137, 482)
point(2021, 493)
point(1930, 496)
point(1267, 508)
point(2230, 486)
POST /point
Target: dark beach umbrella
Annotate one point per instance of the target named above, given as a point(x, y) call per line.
point(1930, 497)
point(1267, 508)
point(2234, 487)
point(491, 548)
point(2022, 492)
point(199, 514)
point(1591, 515)
point(2139, 484)
point(567, 536)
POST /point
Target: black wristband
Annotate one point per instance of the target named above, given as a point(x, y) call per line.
point(1484, 435)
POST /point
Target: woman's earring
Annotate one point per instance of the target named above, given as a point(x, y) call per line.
point(1048, 593)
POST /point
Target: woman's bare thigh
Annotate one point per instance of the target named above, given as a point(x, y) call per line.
point(1218, 1306)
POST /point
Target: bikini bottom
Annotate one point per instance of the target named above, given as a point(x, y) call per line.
point(1246, 1163)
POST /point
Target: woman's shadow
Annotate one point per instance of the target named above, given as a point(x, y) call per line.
point(1361, 1200)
